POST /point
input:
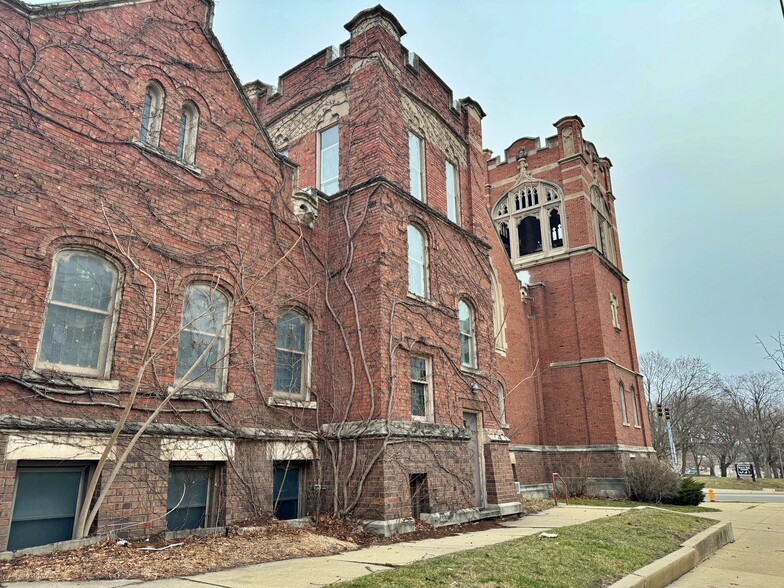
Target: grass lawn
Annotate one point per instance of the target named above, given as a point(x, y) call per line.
point(742, 484)
point(630, 504)
point(589, 555)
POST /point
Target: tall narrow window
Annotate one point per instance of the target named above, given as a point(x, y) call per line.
point(421, 396)
point(556, 230)
point(467, 339)
point(501, 404)
point(452, 193)
point(152, 114)
point(417, 262)
point(329, 160)
point(80, 315)
point(622, 396)
point(203, 349)
point(292, 341)
point(636, 407)
point(614, 311)
point(416, 167)
point(189, 126)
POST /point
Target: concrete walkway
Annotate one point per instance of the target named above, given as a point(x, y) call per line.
point(320, 571)
point(755, 560)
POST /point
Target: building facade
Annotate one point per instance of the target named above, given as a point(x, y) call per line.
point(222, 300)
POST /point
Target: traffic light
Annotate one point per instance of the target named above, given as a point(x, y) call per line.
point(667, 413)
point(659, 411)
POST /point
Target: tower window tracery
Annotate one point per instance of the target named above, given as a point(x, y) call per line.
point(529, 220)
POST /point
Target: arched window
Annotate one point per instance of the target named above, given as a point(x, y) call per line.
point(417, 262)
point(499, 317)
point(292, 355)
point(635, 406)
point(602, 225)
point(622, 396)
point(204, 334)
point(80, 315)
point(189, 126)
point(467, 338)
point(533, 210)
point(152, 114)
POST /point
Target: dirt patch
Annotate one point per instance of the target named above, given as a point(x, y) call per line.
point(267, 540)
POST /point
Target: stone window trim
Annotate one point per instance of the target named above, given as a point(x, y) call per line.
point(153, 106)
point(301, 399)
point(499, 316)
point(196, 389)
point(189, 128)
point(502, 406)
point(414, 159)
point(323, 183)
point(466, 316)
point(614, 312)
point(538, 200)
point(100, 376)
point(427, 382)
point(192, 169)
point(622, 398)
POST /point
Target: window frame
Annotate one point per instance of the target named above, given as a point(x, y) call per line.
point(214, 478)
point(420, 142)
point(152, 114)
point(320, 162)
point(624, 410)
point(535, 199)
point(616, 323)
point(429, 415)
point(109, 336)
point(188, 133)
point(222, 366)
point(425, 262)
point(304, 393)
point(602, 225)
point(471, 335)
point(455, 196)
point(501, 404)
point(499, 316)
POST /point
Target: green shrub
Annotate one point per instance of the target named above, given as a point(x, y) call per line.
point(690, 492)
point(649, 480)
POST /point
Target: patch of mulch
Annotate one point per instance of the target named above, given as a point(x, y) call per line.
point(249, 542)
point(270, 541)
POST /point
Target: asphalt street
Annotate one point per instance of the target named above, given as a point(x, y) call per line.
point(744, 496)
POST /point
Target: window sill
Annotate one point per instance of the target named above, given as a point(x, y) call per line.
point(617, 329)
point(62, 379)
point(167, 156)
point(637, 426)
point(467, 369)
point(291, 403)
point(422, 419)
point(196, 393)
point(500, 351)
point(421, 299)
point(625, 424)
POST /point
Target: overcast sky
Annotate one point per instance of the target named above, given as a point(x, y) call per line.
point(685, 97)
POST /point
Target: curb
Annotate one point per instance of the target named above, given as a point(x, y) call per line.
point(694, 551)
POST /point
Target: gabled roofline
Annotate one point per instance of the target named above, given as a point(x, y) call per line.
point(70, 6)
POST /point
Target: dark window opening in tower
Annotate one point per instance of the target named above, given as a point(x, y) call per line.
point(556, 229)
point(529, 235)
point(503, 232)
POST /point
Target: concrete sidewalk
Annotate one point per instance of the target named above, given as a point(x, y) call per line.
point(755, 560)
point(320, 571)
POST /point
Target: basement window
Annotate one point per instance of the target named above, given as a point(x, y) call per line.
point(420, 499)
point(190, 499)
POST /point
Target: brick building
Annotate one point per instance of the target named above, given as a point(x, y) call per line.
point(223, 300)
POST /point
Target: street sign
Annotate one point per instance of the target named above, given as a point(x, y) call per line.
point(745, 470)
